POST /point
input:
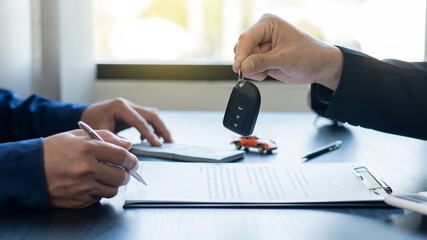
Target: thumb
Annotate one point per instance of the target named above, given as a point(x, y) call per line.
point(259, 62)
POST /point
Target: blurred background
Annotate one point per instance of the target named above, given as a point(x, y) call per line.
point(81, 51)
point(206, 30)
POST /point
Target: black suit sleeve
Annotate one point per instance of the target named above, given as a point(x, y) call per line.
point(388, 95)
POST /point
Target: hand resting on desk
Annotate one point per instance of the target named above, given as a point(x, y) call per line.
point(118, 114)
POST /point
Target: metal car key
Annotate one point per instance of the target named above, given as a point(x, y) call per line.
point(243, 107)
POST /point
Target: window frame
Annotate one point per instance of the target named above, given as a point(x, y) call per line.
point(126, 71)
point(190, 72)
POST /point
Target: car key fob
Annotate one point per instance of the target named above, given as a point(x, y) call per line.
point(242, 108)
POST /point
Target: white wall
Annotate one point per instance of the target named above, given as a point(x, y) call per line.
point(15, 46)
point(200, 95)
point(46, 48)
point(67, 66)
point(77, 67)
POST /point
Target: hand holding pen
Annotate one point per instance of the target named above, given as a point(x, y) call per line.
point(79, 171)
point(89, 131)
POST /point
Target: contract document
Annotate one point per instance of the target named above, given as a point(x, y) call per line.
point(250, 184)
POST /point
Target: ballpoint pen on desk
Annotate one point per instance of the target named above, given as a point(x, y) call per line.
point(322, 150)
point(89, 131)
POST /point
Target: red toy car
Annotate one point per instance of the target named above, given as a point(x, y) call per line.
point(255, 142)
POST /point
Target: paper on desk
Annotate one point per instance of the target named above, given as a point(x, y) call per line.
point(247, 183)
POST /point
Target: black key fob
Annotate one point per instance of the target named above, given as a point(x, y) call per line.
point(242, 108)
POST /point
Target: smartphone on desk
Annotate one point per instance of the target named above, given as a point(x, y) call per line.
point(416, 202)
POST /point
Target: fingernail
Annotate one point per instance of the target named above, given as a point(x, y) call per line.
point(127, 143)
point(251, 65)
point(157, 141)
point(130, 158)
point(248, 65)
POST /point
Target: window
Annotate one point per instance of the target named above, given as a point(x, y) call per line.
point(205, 31)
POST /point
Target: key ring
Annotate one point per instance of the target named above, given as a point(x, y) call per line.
point(240, 79)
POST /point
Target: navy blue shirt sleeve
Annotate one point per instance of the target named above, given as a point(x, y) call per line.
point(22, 175)
point(22, 124)
point(385, 95)
point(35, 116)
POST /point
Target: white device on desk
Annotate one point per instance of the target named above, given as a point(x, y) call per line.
point(416, 202)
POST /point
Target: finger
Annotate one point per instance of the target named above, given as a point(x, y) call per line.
point(107, 136)
point(260, 62)
point(100, 190)
point(257, 76)
point(265, 47)
point(133, 118)
point(113, 154)
point(153, 118)
point(262, 75)
point(262, 48)
point(114, 139)
point(110, 175)
point(248, 41)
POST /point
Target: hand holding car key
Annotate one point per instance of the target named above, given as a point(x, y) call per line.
point(243, 107)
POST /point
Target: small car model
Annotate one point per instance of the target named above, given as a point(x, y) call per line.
point(255, 142)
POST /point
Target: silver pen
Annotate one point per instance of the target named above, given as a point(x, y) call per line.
point(92, 134)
